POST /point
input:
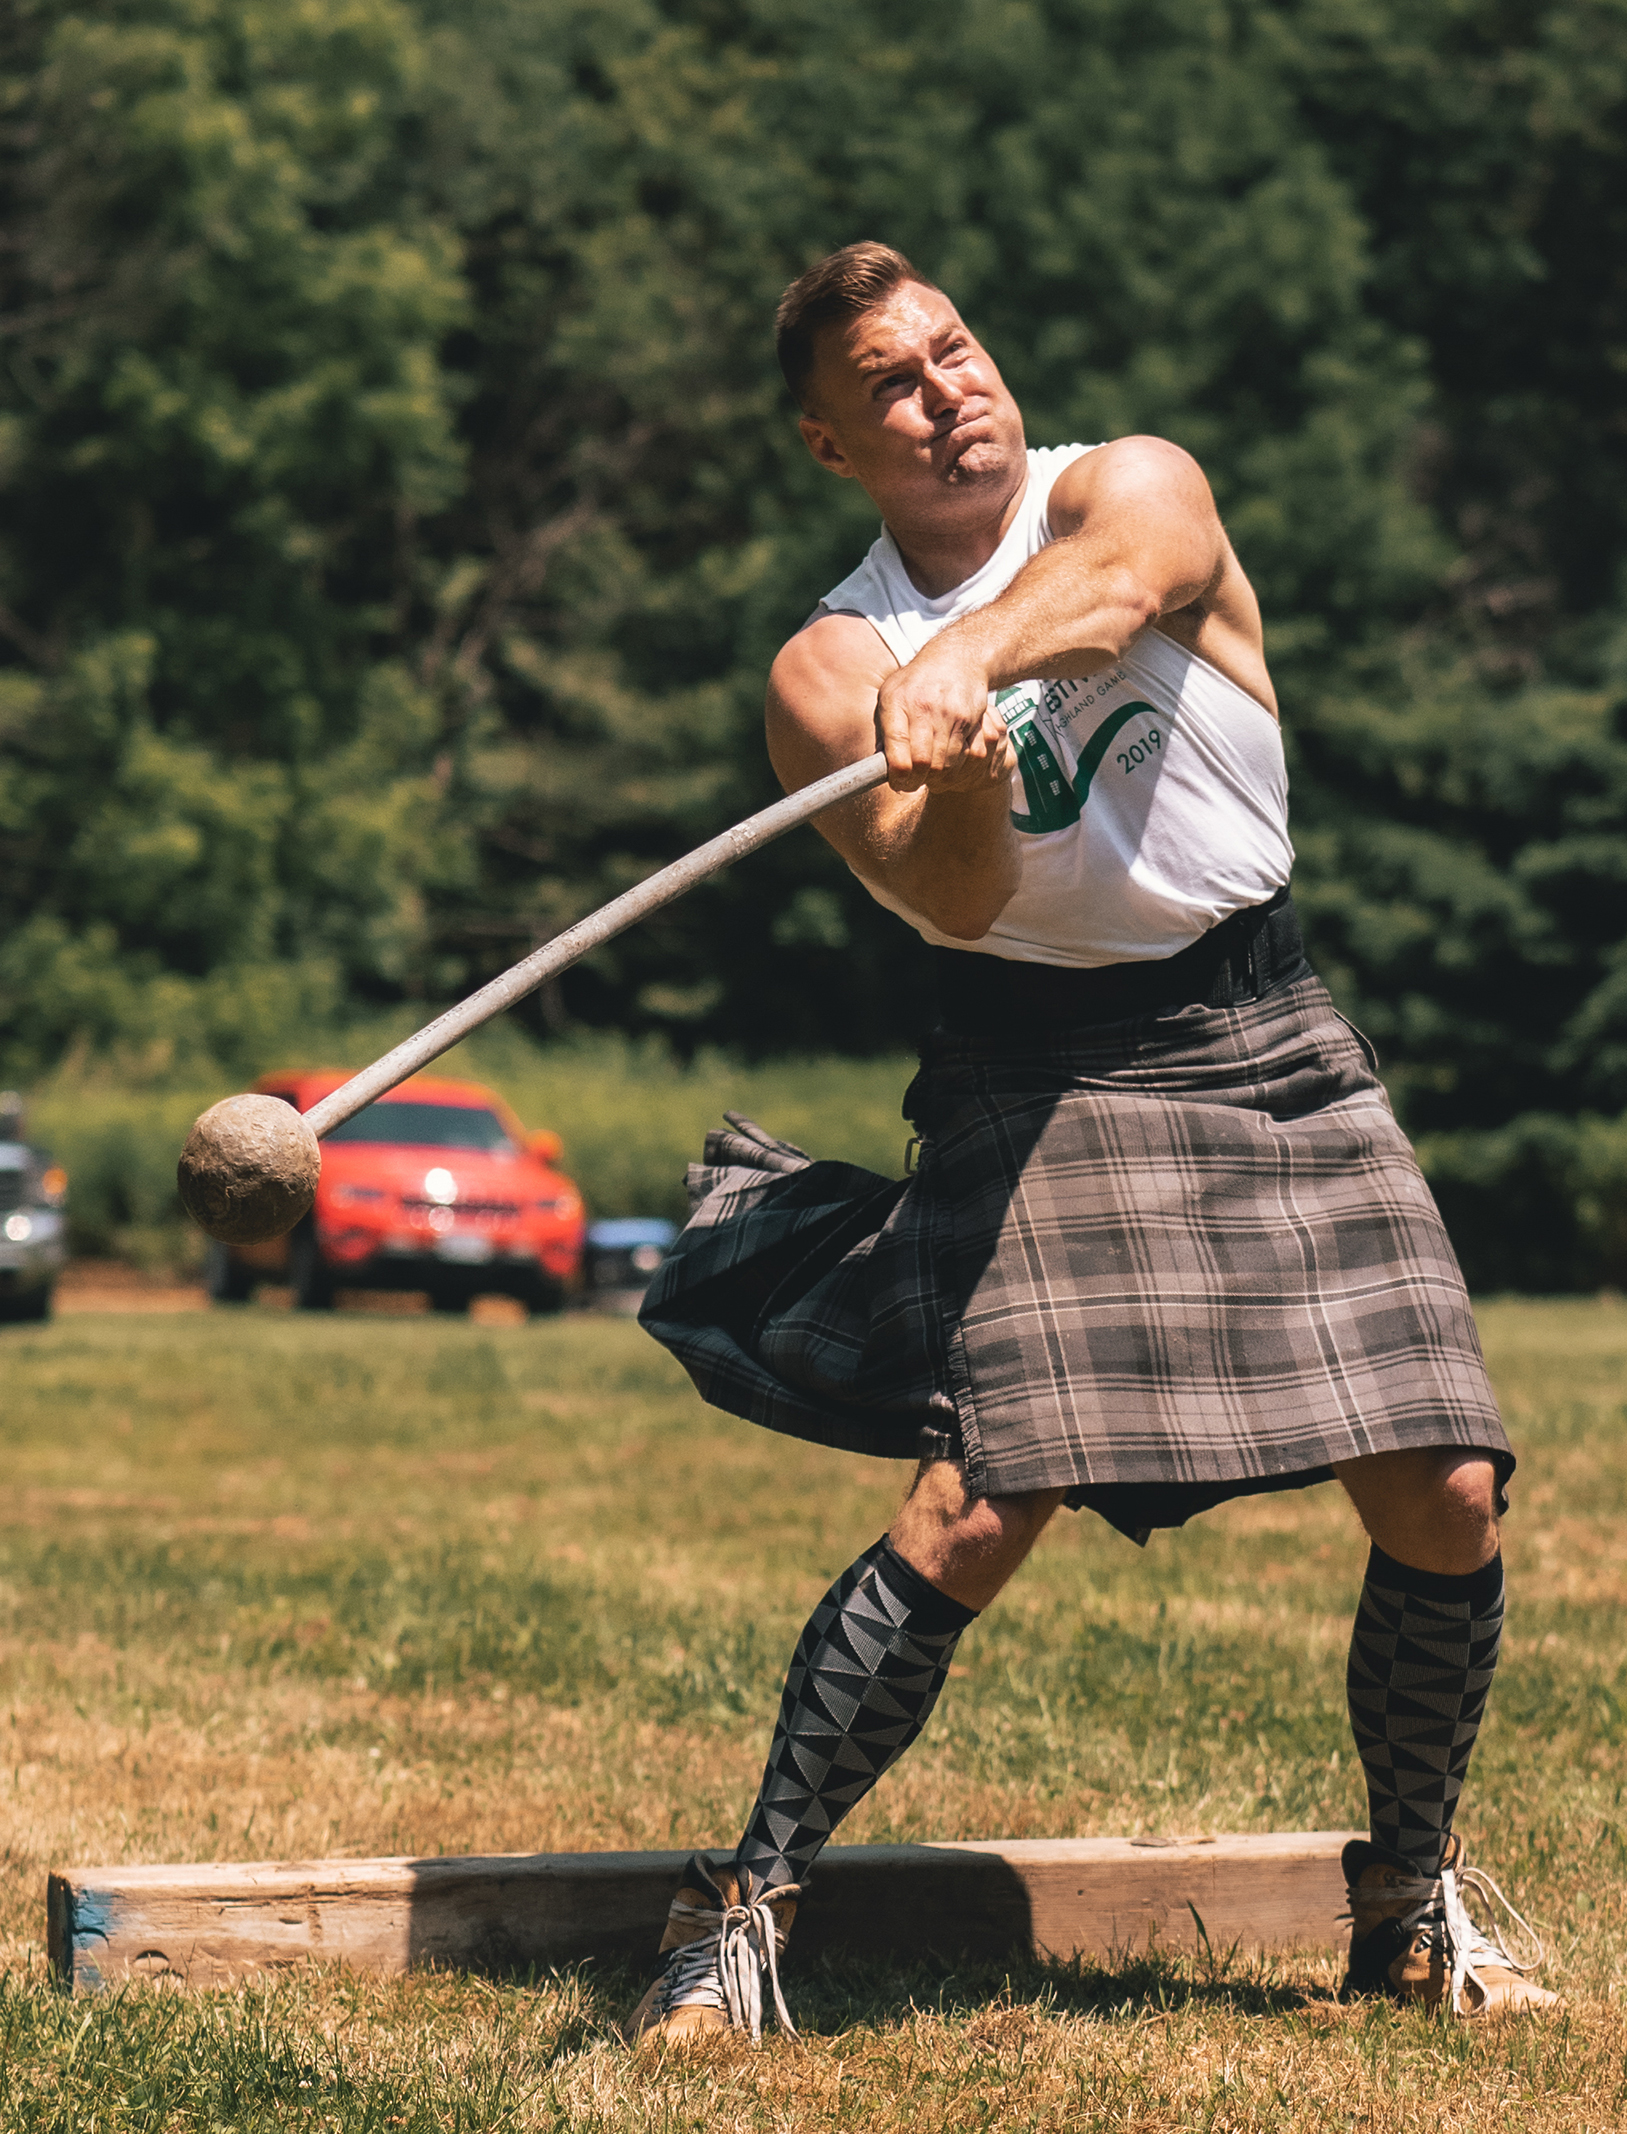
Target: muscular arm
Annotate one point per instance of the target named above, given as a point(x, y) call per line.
point(1138, 542)
point(949, 853)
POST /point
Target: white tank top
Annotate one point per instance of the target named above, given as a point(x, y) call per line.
point(1151, 801)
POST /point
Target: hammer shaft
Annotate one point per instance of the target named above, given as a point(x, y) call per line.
point(590, 933)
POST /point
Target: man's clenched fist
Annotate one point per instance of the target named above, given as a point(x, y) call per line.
point(937, 727)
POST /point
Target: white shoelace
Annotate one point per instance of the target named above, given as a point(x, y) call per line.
point(723, 1966)
point(1466, 1947)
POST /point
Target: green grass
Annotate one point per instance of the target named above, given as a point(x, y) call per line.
point(276, 1587)
point(631, 1116)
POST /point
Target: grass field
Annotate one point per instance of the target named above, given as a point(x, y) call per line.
point(281, 1587)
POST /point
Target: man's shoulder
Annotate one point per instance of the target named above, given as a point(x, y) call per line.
point(1154, 468)
point(822, 691)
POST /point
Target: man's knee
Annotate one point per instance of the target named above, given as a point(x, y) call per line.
point(1464, 1491)
point(965, 1544)
point(1434, 1508)
point(940, 1495)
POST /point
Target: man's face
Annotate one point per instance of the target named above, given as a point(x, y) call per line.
point(904, 402)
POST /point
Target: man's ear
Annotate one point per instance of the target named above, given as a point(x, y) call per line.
point(820, 439)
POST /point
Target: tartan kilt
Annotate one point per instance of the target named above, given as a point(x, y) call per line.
point(1154, 1264)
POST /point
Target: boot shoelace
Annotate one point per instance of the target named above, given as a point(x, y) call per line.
point(723, 1966)
point(1440, 1904)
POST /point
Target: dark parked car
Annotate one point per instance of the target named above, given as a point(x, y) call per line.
point(623, 1253)
point(33, 1222)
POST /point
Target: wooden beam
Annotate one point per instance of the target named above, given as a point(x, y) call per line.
point(218, 1925)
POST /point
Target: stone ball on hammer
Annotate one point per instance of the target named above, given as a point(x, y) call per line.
point(249, 1170)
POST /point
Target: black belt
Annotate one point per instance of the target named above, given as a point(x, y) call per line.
point(1243, 958)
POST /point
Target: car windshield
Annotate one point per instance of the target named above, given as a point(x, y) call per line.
point(436, 1126)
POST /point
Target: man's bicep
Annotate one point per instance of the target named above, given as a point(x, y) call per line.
point(821, 711)
point(821, 716)
point(1144, 505)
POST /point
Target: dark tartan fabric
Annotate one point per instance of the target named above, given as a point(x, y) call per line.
point(1156, 1264)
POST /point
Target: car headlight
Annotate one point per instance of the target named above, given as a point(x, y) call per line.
point(19, 1228)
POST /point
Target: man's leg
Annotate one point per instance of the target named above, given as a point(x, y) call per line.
point(1425, 1641)
point(863, 1680)
point(1422, 1656)
point(874, 1654)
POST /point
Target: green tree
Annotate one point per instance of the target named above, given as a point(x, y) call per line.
point(223, 414)
point(404, 508)
point(1464, 789)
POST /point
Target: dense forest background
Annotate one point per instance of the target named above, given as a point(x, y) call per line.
point(401, 506)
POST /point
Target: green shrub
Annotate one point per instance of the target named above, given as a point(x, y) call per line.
point(1538, 1205)
point(120, 1149)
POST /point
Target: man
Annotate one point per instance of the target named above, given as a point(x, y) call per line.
point(1166, 1244)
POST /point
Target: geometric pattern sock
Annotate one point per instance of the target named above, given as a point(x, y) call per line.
point(865, 1675)
point(1422, 1657)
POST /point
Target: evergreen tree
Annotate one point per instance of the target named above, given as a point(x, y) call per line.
point(224, 411)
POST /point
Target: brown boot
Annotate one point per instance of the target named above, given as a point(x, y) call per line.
point(1412, 1939)
point(719, 1944)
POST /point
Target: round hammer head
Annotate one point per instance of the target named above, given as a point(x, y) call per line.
point(249, 1170)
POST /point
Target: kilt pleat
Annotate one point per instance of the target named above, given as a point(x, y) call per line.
point(1155, 1265)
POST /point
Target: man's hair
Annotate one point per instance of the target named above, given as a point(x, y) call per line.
point(838, 287)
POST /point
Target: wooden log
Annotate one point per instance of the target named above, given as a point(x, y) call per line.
point(1098, 1897)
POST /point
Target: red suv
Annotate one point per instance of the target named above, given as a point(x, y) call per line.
point(437, 1187)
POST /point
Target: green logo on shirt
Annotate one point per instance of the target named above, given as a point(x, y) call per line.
point(1054, 800)
point(1050, 797)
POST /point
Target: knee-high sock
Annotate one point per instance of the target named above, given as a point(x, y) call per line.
point(1421, 1662)
point(865, 1675)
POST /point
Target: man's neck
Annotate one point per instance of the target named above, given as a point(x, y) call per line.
point(941, 553)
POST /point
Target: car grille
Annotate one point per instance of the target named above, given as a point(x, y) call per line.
point(13, 1189)
point(493, 1210)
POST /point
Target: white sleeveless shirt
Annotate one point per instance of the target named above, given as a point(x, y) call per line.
point(1151, 800)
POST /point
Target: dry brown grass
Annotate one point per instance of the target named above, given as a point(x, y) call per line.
point(276, 1588)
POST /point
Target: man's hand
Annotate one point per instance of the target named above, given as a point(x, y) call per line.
point(937, 726)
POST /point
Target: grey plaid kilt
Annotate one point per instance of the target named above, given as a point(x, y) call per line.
point(1155, 1264)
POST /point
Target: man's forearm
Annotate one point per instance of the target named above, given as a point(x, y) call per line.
point(1138, 538)
point(951, 857)
point(1060, 618)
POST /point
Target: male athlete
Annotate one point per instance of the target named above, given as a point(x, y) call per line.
point(1166, 1244)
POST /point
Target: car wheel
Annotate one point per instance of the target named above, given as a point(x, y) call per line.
point(545, 1299)
point(226, 1281)
point(449, 1300)
point(308, 1277)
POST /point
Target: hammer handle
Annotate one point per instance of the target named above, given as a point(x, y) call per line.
point(592, 932)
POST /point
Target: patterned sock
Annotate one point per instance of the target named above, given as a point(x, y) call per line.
point(864, 1678)
point(1422, 1657)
